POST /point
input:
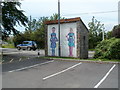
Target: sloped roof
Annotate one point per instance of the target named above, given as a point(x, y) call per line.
point(65, 21)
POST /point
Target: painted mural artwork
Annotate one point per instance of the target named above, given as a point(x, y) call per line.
point(71, 41)
point(53, 41)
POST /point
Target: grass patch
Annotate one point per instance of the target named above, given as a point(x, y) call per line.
point(58, 57)
point(97, 59)
point(23, 57)
point(91, 49)
point(8, 46)
point(112, 60)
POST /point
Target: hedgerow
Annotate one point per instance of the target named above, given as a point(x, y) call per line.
point(108, 49)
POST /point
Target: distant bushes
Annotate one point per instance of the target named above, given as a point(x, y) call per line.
point(108, 49)
point(38, 36)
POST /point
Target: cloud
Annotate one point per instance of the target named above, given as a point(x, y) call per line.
point(74, 8)
point(72, 1)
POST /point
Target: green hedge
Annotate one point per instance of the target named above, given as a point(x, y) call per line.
point(108, 49)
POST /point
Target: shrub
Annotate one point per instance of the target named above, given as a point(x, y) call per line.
point(109, 49)
point(116, 31)
point(114, 51)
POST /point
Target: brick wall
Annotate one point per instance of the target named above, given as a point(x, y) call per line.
point(46, 43)
point(82, 40)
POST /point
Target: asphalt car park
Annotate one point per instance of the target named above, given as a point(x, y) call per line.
point(14, 55)
point(24, 69)
point(60, 74)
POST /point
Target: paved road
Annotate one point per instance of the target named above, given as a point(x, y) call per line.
point(4, 50)
point(23, 70)
point(11, 55)
point(91, 54)
point(42, 52)
point(15, 51)
point(62, 74)
point(21, 64)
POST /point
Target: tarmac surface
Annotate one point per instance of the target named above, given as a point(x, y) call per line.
point(33, 72)
point(60, 74)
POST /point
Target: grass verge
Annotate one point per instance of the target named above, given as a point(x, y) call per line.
point(8, 46)
point(112, 60)
point(91, 49)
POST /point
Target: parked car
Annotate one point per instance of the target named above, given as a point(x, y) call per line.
point(28, 45)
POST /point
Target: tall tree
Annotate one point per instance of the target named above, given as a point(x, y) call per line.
point(95, 32)
point(34, 24)
point(35, 31)
point(55, 17)
point(109, 35)
point(116, 31)
point(11, 17)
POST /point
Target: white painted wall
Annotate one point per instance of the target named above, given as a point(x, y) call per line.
point(49, 36)
point(64, 30)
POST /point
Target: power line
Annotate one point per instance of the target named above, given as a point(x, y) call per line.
point(91, 13)
point(102, 12)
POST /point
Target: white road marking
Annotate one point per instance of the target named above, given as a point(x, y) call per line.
point(20, 59)
point(96, 86)
point(12, 52)
point(61, 71)
point(31, 66)
point(11, 60)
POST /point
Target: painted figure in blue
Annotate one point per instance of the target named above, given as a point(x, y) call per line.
point(71, 41)
point(53, 41)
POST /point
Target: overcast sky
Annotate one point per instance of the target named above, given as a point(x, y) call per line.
point(75, 8)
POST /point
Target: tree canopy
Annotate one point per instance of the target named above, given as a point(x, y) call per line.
point(95, 32)
point(116, 31)
point(35, 31)
point(11, 17)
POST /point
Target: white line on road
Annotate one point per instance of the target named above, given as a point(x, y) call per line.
point(20, 59)
point(11, 52)
point(96, 86)
point(11, 60)
point(31, 66)
point(61, 71)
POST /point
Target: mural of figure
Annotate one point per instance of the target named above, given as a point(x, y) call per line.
point(53, 41)
point(71, 41)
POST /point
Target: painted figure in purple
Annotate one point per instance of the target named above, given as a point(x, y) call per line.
point(53, 41)
point(71, 41)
